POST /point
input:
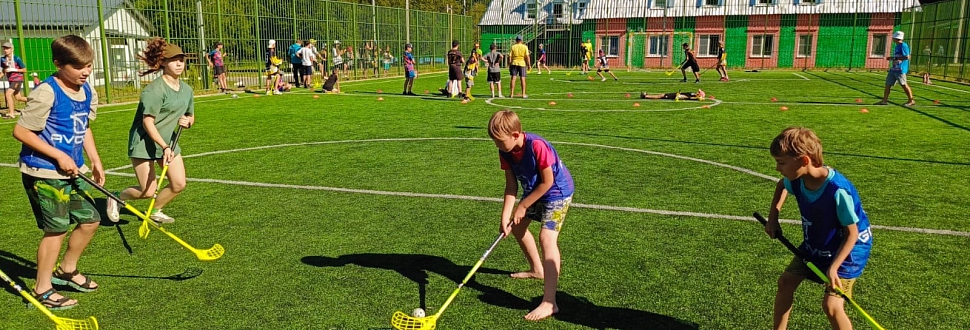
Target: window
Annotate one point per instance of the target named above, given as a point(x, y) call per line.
point(611, 46)
point(878, 45)
point(530, 10)
point(663, 3)
point(766, 2)
point(658, 46)
point(709, 45)
point(581, 5)
point(805, 45)
point(557, 10)
point(761, 45)
point(712, 2)
point(810, 2)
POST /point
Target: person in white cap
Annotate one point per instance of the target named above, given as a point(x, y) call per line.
point(899, 67)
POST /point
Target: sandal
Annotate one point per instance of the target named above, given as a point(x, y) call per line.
point(63, 278)
point(51, 304)
point(8, 116)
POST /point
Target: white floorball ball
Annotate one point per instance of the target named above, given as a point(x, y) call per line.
point(417, 312)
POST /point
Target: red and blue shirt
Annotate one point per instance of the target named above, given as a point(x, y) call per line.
point(528, 162)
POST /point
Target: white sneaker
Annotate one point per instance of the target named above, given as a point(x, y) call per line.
point(525, 96)
point(113, 213)
point(501, 96)
point(540, 72)
point(277, 92)
point(604, 79)
point(160, 217)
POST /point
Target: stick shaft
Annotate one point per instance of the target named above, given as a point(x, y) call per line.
point(470, 274)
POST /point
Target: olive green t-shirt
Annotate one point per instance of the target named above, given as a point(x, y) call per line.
point(167, 106)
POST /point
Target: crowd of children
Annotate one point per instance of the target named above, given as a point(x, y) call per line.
point(836, 231)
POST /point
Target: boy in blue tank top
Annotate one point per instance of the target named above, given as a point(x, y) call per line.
point(547, 191)
point(55, 134)
point(835, 228)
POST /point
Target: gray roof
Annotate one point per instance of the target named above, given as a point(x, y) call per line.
point(513, 12)
point(58, 13)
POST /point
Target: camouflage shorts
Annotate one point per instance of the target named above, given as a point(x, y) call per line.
point(57, 203)
point(550, 214)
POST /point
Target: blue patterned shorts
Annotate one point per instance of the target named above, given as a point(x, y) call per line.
point(550, 214)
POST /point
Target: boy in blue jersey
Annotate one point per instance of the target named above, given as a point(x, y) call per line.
point(55, 134)
point(898, 70)
point(836, 231)
point(547, 191)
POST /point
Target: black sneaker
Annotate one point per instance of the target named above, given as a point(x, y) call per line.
point(697, 81)
point(683, 80)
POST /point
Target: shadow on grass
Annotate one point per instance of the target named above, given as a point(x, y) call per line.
point(581, 311)
point(573, 309)
point(415, 267)
point(16, 268)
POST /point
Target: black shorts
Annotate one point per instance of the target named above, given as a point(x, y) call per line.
point(454, 73)
point(517, 71)
point(494, 77)
point(692, 65)
point(306, 70)
point(218, 70)
point(603, 68)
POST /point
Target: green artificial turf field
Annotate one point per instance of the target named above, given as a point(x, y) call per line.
point(337, 211)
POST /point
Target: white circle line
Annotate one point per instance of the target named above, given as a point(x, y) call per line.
point(490, 199)
point(716, 103)
point(578, 205)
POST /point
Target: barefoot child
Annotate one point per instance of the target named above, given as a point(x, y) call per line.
point(166, 103)
point(55, 133)
point(547, 191)
point(835, 228)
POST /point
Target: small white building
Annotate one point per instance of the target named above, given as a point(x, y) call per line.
point(43, 21)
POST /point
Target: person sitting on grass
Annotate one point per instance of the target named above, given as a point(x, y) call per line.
point(332, 85)
point(699, 96)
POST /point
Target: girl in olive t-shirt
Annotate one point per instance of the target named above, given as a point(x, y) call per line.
point(165, 104)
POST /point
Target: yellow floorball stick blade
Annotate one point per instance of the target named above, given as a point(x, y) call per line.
point(71, 324)
point(143, 230)
point(401, 321)
point(213, 253)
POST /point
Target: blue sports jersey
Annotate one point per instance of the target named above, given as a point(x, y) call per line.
point(66, 127)
point(527, 171)
point(295, 48)
point(901, 66)
point(822, 230)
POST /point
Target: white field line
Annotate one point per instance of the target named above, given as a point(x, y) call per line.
point(492, 199)
point(130, 109)
point(576, 205)
point(800, 76)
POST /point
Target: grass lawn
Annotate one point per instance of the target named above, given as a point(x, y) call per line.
point(337, 211)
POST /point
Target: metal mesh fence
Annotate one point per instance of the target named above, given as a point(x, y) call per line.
point(938, 38)
point(757, 34)
point(118, 29)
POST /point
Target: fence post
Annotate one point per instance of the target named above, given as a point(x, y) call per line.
point(203, 67)
point(22, 50)
point(105, 69)
point(168, 27)
point(258, 42)
point(295, 33)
